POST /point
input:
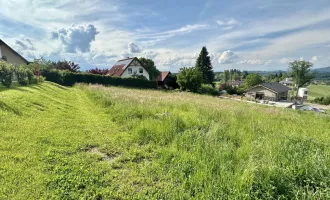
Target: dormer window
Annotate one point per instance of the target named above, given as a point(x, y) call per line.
point(129, 70)
point(141, 70)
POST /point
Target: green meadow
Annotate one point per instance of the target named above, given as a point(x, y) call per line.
point(318, 91)
point(95, 142)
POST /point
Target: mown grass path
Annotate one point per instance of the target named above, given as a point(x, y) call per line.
point(44, 129)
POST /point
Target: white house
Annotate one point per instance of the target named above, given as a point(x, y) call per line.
point(10, 55)
point(128, 67)
point(288, 82)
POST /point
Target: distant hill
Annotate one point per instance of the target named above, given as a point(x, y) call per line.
point(322, 70)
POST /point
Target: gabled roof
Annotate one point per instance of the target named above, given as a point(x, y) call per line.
point(274, 87)
point(121, 65)
point(3, 43)
point(162, 76)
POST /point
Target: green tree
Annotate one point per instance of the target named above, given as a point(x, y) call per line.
point(6, 74)
point(150, 67)
point(67, 65)
point(226, 75)
point(190, 79)
point(203, 64)
point(301, 73)
point(236, 77)
point(252, 80)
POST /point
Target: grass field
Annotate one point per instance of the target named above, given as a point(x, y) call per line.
point(93, 142)
point(318, 91)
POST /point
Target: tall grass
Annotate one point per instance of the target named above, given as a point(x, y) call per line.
point(99, 142)
point(211, 148)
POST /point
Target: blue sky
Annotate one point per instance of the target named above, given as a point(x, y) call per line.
point(247, 35)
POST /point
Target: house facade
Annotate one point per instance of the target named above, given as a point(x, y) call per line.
point(127, 68)
point(269, 91)
point(10, 55)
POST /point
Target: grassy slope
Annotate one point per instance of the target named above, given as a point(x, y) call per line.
point(318, 91)
point(156, 145)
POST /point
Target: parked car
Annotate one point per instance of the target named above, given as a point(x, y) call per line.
point(318, 110)
point(309, 108)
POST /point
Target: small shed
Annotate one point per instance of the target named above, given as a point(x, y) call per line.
point(269, 91)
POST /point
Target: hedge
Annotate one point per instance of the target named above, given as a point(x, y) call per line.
point(69, 79)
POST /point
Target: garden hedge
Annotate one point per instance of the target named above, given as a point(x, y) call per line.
point(69, 79)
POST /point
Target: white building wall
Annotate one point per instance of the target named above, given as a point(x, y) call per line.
point(10, 56)
point(135, 68)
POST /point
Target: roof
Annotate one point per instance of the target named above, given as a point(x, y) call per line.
point(240, 82)
point(162, 76)
point(3, 43)
point(120, 66)
point(274, 87)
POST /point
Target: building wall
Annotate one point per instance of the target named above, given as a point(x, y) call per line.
point(268, 94)
point(11, 56)
point(135, 68)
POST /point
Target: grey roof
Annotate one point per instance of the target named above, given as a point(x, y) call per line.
point(124, 62)
point(276, 87)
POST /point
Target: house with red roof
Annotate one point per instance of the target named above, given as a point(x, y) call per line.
point(127, 68)
point(161, 80)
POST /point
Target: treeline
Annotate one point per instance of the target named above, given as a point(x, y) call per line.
point(23, 74)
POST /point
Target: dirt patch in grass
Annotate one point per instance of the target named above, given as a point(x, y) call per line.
point(103, 156)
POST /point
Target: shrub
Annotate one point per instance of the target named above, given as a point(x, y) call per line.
point(190, 79)
point(69, 79)
point(41, 79)
point(6, 74)
point(30, 75)
point(22, 76)
point(208, 89)
point(322, 100)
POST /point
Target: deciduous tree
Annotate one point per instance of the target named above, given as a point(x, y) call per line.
point(190, 79)
point(150, 67)
point(252, 80)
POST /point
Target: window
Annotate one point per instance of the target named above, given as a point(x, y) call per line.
point(129, 70)
point(4, 58)
point(306, 92)
point(141, 70)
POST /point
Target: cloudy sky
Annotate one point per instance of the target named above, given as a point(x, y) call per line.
point(247, 35)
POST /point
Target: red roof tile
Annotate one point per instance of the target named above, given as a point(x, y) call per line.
point(117, 70)
point(162, 76)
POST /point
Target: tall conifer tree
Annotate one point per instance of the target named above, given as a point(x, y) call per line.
point(203, 64)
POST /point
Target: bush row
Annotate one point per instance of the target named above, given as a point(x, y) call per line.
point(67, 78)
point(322, 100)
point(23, 74)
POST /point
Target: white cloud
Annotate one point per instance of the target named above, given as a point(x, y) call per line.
point(251, 62)
point(179, 61)
point(133, 48)
point(286, 60)
point(227, 22)
point(314, 59)
point(76, 38)
point(227, 57)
